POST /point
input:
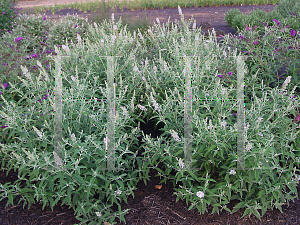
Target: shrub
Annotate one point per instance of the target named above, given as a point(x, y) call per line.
point(287, 8)
point(67, 29)
point(7, 15)
point(237, 20)
point(33, 28)
point(230, 15)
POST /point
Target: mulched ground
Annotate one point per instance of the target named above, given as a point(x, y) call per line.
point(150, 205)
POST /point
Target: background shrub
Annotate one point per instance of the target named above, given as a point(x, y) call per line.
point(287, 8)
point(8, 14)
point(290, 13)
point(231, 14)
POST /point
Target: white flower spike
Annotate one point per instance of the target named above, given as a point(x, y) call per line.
point(179, 10)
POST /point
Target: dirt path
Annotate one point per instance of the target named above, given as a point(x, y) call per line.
point(32, 3)
point(206, 17)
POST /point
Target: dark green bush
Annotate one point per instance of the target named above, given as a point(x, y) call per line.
point(230, 15)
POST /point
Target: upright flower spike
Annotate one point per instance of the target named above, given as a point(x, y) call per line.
point(179, 10)
point(286, 82)
point(277, 22)
point(113, 17)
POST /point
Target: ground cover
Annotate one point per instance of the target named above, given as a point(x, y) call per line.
point(217, 67)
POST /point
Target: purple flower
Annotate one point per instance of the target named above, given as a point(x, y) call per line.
point(5, 64)
point(34, 67)
point(220, 76)
point(247, 28)
point(290, 47)
point(75, 26)
point(293, 32)
point(11, 7)
point(1, 93)
point(25, 58)
point(34, 55)
point(49, 51)
point(3, 12)
point(278, 23)
point(3, 126)
point(234, 114)
point(5, 85)
point(44, 18)
point(255, 42)
point(242, 37)
point(275, 51)
point(18, 39)
point(229, 73)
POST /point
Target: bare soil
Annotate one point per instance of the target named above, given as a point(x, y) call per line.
point(206, 17)
point(151, 205)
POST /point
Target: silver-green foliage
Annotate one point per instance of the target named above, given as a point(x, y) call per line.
point(149, 88)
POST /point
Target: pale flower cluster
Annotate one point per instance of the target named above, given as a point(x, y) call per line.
point(118, 192)
point(248, 147)
point(142, 107)
point(40, 134)
point(125, 112)
point(175, 135)
point(181, 163)
point(200, 194)
point(106, 140)
point(155, 104)
point(232, 172)
point(223, 124)
point(286, 82)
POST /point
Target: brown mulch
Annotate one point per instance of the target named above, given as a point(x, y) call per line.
point(152, 206)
